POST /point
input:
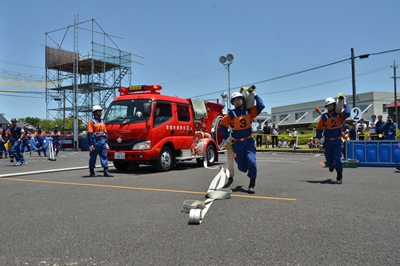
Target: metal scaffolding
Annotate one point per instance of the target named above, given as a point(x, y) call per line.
point(74, 83)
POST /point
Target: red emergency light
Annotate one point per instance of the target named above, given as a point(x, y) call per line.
point(139, 88)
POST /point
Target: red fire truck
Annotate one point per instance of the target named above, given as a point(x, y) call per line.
point(147, 127)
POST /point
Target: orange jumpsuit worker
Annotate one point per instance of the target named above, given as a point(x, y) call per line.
point(240, 119)
point(97, 139)
point(330, 135)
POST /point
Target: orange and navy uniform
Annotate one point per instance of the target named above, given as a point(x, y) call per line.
point(240, 121)
point(55, 134)
point(96, 130)
point(244, 150)
point(27, 138)
point(40, 135)
point(329, 125)
point(97, 137)
point(7, 134)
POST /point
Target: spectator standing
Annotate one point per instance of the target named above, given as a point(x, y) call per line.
point(274, 134)
point(345, 136)
point(330, 135)
point(267, 135)
point(379, 130)
point(372, 128)
point(361, 127)
point(17, 133)
point(389, 129)
point(260, 132)
point(40, 139)
point(295, 138)
point(239, 119)
point(97, 139)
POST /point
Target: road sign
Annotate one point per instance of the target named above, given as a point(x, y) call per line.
point(356, 113)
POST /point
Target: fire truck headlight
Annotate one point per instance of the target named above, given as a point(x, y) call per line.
point(144, 145)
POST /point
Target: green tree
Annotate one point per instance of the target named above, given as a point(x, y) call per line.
point(34, 121)
point(313, 125)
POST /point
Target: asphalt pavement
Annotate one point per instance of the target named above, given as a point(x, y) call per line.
point(52, 213)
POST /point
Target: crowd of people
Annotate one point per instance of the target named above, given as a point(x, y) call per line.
point(15, 141)
point(378, 129)
point(269, 135)
point(375, 129)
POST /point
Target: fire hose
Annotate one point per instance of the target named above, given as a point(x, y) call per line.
point(216, 191)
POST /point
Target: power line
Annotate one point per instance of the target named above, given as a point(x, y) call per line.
point(306, 70)
point(20, 38)
point(195, 76)
point(19, 64)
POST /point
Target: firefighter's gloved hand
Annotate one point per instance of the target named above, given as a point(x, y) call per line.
point(322, 140)
point(230, 140)
point(91, 148)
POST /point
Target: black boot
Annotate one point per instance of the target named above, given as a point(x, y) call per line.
point(339, 178)
point(251, 186)
point(331, 168)
point(92, 173)
point(107, 174)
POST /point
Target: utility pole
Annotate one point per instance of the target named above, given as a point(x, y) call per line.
point(395, 92)
point(353, 78)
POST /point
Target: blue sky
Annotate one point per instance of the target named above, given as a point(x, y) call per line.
point(180, 41)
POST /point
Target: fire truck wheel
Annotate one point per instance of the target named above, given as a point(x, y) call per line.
point(211, 157)
point(166, 160)
point(122, 166)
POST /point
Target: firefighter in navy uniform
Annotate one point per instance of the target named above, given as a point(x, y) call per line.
point(55, 134)
point(97, 139)
point(40, 138)
point(17, 134)
point(240, 119)
point(330, 135)
point(26, 141)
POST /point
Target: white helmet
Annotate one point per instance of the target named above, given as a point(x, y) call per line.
point(329, 101)
point(235, 95)
point(96, 108)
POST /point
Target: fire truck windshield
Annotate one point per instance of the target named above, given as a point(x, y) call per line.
point(128, 111)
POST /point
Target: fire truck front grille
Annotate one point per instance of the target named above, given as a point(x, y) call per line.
point(125, 145)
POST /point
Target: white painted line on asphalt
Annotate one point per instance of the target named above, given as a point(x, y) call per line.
point(44, 171)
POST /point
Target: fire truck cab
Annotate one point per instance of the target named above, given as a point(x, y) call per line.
point(147, 127)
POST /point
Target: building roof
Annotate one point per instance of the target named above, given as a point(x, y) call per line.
point(392, 104)
point(3, 120)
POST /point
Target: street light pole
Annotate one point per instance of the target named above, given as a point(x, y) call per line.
point(223, 60)
point(395, 93)
point(229, 85)
point(353, 74)
point(353, 77)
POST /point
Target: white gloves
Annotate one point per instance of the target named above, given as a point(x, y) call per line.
point(91, 148)
point(322, 140)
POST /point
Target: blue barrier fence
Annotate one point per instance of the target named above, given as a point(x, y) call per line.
point(381, 153)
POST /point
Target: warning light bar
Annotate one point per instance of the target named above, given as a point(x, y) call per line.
point(139, 88)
